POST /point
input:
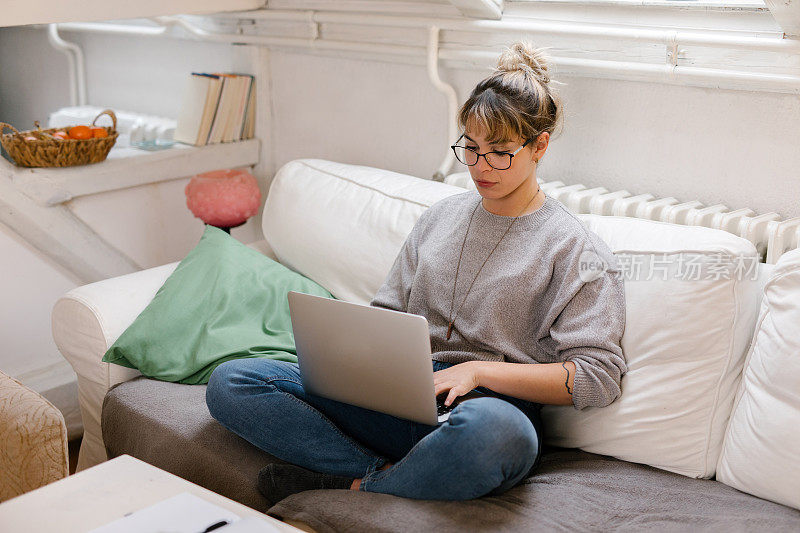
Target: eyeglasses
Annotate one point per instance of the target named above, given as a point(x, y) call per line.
point(497, 160)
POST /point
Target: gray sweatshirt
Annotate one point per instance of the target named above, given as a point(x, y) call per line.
point(529, 304)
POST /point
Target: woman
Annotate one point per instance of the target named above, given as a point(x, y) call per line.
point(506, 278)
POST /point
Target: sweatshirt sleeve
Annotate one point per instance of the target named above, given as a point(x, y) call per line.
point(588, 332)
point(396, 288)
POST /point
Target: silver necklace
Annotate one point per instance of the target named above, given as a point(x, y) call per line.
point(451, 317)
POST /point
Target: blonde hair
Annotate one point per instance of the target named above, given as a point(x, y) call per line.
point(516, 99)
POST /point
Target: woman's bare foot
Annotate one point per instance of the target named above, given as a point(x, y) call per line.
point(357, 481)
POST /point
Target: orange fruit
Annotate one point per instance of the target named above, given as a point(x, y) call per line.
point(98, 131)
point(80, 132)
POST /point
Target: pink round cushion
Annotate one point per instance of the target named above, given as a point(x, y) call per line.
point(223, 198)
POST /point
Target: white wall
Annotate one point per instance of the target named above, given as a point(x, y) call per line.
point(713, 145)
point(28, 283)
point(716, 146)
point(151, 224)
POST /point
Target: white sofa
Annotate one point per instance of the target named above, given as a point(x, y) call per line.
point(686, 340)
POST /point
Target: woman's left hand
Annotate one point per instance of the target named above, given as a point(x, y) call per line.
point(458, 379)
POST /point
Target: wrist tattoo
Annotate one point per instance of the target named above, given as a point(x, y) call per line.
point(566, 383)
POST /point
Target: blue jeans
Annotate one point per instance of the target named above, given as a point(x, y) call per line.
point(487, 446)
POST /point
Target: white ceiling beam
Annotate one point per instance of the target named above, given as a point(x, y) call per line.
point(24, 12)
point(61, 236)
point(482, 9)
point(787, 15)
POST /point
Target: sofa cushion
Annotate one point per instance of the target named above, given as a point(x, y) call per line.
point(224, 301)
point(684, 343)
point(685, 340)
point(760, 453)
point(168, 425)
point(343, 225)
point(572, 490)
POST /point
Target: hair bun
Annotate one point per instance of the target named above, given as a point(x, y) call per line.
point(522, 55)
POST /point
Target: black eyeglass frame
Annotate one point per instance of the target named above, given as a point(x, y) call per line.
point(510, 154)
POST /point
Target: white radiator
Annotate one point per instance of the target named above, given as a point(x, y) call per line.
point(771, 235)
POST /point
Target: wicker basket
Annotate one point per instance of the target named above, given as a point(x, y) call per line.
point(49, 151)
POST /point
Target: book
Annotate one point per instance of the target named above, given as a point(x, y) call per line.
point(227, 101)
point(210, 110)
point(197, 103)
point(239, 107)
point(248, 127)
point(237, 120)
point(217, 107)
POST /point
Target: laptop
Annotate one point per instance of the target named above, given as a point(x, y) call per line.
point(372, 357)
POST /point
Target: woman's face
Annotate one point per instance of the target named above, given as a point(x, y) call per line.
point(496, 184)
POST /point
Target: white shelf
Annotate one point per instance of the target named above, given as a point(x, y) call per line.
point(127, 167)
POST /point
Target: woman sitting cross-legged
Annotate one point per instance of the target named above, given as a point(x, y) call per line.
point(518, 309)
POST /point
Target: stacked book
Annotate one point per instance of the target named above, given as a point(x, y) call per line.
point(218, 107)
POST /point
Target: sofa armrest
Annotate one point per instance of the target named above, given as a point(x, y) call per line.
point(86, 321)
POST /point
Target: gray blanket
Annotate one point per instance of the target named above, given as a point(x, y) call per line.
point(169, 426)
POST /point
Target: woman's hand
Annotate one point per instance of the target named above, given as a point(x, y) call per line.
point(458, 379)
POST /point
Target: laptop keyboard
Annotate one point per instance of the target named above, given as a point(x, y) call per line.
point(441, 408)
point(443, 411)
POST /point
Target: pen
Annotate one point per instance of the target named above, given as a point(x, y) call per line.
point(216, 525)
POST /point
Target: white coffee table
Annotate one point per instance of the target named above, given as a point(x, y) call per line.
point(104, 493)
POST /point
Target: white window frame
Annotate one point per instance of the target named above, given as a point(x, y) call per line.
point(679, 4)
point(786, 16)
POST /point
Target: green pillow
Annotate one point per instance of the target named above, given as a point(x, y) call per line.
point(224, 301)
